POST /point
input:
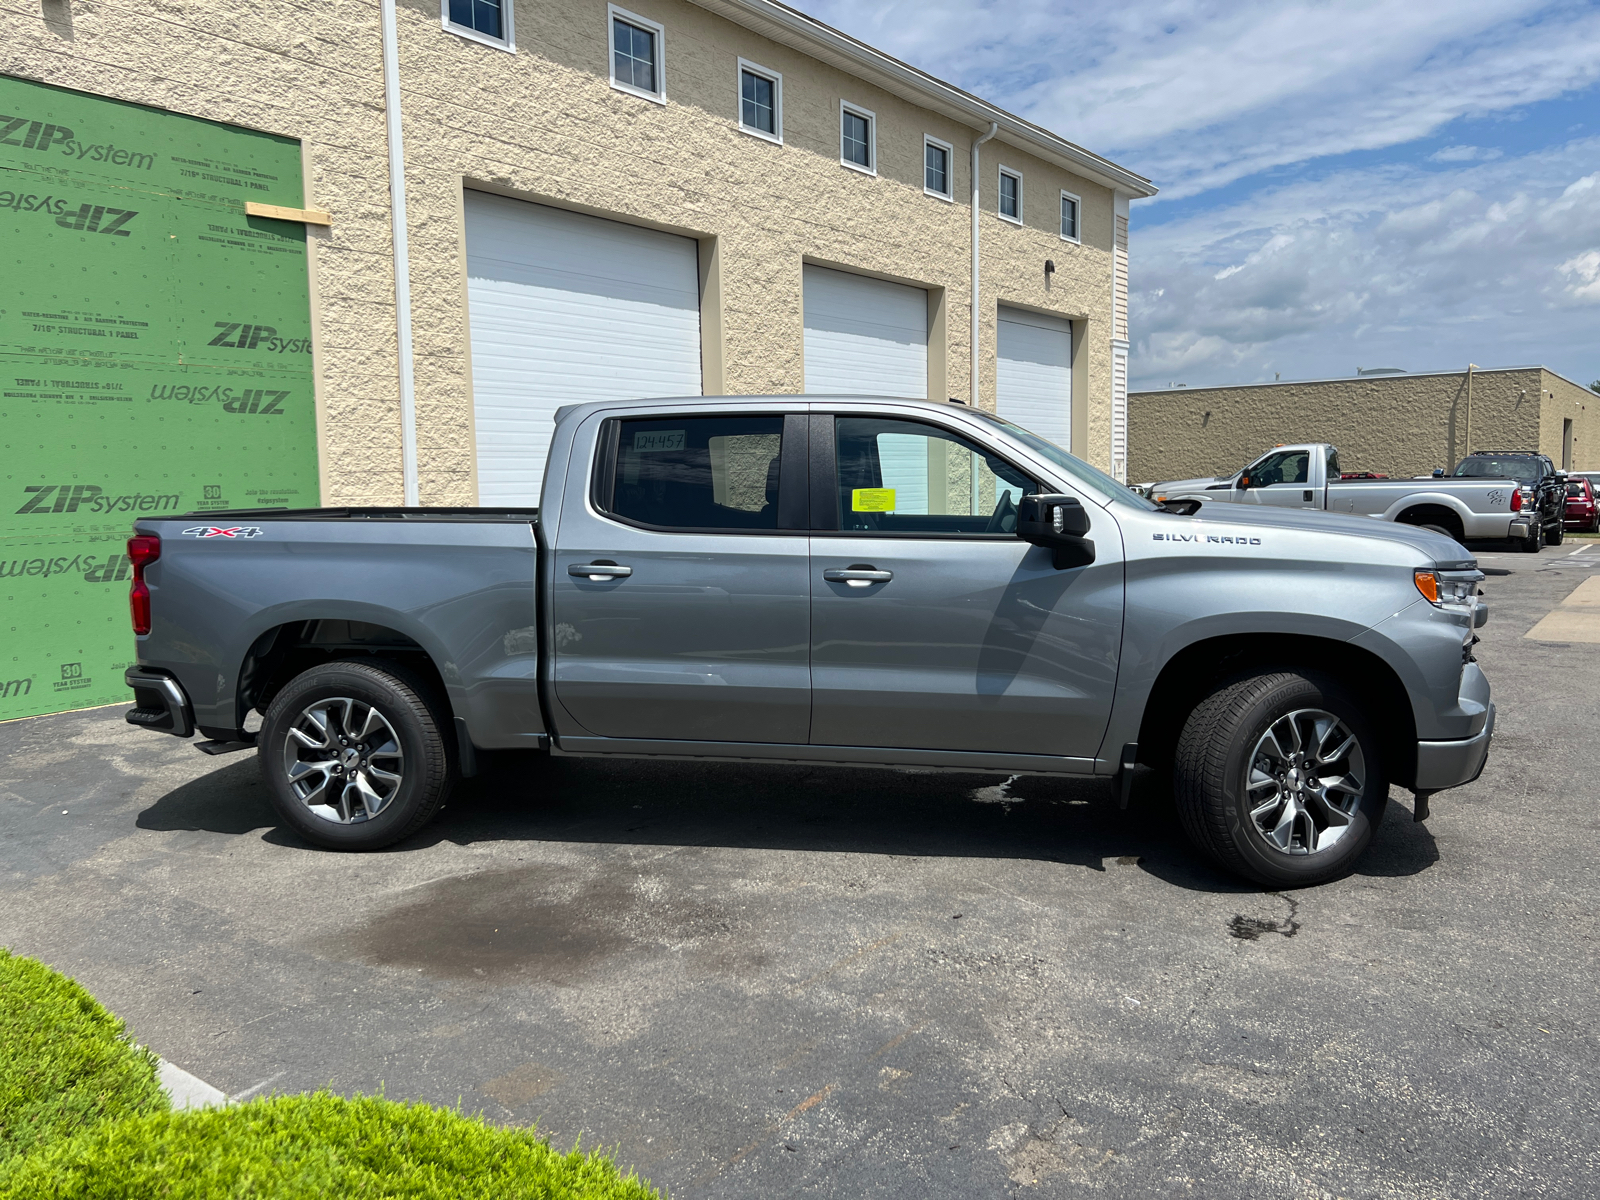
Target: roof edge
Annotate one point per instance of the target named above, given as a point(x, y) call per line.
point(1260, 383)
point(770, 16)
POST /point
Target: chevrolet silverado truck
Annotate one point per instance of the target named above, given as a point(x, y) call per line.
point(873, 582)
point(1471, 506)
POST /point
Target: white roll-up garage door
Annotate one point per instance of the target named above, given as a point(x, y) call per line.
point(1035, 374)
point(566, 308)
point(864, 336)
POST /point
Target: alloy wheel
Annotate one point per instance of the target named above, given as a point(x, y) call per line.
point(343, 760)
point(1304, 780)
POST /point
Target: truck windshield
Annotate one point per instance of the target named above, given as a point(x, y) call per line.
point(1091, 478)
point(1524, 468)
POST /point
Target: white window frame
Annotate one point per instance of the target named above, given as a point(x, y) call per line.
point(872, 137)
point(508, 43)
point(777, 102)
point(949, 168)
point(999, 196)
point(1078, 201)
point(614, 14)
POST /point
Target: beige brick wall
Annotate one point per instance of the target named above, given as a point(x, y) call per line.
point(545, 124)
point(1394, 424)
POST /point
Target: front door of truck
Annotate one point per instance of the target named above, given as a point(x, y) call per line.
point(1281, 480)
point(681, 590)
point(933, 625)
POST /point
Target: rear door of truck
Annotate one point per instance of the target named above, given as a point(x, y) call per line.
point(680, 588)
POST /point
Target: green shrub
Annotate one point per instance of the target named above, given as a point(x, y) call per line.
point(321, 1145)
point(65, 1062)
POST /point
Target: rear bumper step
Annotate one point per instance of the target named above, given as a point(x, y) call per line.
point(159, 702)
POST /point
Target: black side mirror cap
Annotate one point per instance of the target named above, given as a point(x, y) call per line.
point(1058, 523)
point(1242, 482)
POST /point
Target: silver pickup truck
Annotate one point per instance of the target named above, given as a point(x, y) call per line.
point(1307, 476)
point(876, 582)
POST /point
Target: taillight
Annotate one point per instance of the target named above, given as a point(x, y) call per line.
point(142, 551)
point(1516, 499)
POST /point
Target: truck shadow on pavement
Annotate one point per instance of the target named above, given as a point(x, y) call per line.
point(528, 797)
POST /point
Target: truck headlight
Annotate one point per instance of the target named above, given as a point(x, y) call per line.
point(1453, 589)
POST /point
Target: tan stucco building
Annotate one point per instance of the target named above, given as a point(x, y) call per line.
point(1393, 424)
point(780, 160)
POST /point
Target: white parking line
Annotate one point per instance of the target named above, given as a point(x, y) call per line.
point(1581, 549)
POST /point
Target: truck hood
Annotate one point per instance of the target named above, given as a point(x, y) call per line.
point(1439, 550)
point(1183, 485)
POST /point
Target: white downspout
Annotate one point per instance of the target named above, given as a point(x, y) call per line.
point(402, 254)
point(977, 177)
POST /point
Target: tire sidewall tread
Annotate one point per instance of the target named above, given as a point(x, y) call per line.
point(1209, 764)
point(410, 707)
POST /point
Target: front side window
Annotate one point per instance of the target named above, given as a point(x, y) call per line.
point(936, 167)
point(760, 101)
point(635, 54)
point(711, 473)
point(904, 477)
point(855, 137)
point(1069, 216)
point(1010, 195)
point(483, 17)
point(1285, 466)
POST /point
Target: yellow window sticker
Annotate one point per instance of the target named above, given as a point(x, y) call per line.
point(872, 500)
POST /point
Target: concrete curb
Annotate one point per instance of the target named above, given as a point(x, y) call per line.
point(185, 1090)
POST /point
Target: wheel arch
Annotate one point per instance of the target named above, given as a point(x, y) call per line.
point(285, 650)
point(1433, 513)
point(1194, 671)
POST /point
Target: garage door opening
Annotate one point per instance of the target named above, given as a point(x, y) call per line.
point(864, 336)
point(1034, 382)
point(566, 308)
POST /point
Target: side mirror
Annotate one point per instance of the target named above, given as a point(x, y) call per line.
point(1242, 482)
point(1057, 523)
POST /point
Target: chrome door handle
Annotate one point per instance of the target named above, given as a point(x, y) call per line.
point(598, 572)
point(857, 577)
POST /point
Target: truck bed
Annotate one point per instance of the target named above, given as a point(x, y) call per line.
point(520, 516)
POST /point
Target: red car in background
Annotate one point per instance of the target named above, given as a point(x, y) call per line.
point(1583, 512)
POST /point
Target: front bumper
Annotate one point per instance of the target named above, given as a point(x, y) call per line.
point(1443, 765)
point(159, 702)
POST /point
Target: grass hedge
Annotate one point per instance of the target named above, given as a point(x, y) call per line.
point(65, 1062)
point(312, 1146)
point(82, 1115)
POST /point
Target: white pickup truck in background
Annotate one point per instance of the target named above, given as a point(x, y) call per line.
point(1307, 476)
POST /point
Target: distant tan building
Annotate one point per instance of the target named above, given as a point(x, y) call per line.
point(1400, 424)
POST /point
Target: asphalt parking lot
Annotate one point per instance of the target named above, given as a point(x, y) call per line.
point(786, 981)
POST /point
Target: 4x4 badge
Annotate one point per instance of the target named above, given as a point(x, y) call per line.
point(233, 531)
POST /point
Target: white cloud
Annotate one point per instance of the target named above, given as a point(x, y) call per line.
point(1464, 154)
point(1498, 262)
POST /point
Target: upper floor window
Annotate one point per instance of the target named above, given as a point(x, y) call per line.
point(936, 167)
point(636, 55)
point(858, 138)
point(1070, 205)
point(487, 21)
point(1011, 195)
point(760, 101)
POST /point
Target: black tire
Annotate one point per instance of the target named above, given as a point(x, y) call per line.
point(1218, 743)
point(1555, 534)
point(1449, 533)
point(425, 763)
point(1534, 542)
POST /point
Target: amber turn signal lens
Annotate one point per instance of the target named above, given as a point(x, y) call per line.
point(1428, 585)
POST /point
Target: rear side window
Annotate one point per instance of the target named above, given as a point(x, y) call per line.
point(903, 477)
point(696, 472)
point(1333, 464)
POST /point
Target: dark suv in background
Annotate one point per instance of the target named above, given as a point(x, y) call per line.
point(1543, 488)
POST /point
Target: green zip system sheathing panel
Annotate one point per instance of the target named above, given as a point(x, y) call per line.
point(155, 358)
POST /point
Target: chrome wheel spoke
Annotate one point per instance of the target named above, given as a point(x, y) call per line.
point(1344, 748)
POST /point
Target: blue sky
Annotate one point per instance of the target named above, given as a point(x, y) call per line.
point(1393, 183)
